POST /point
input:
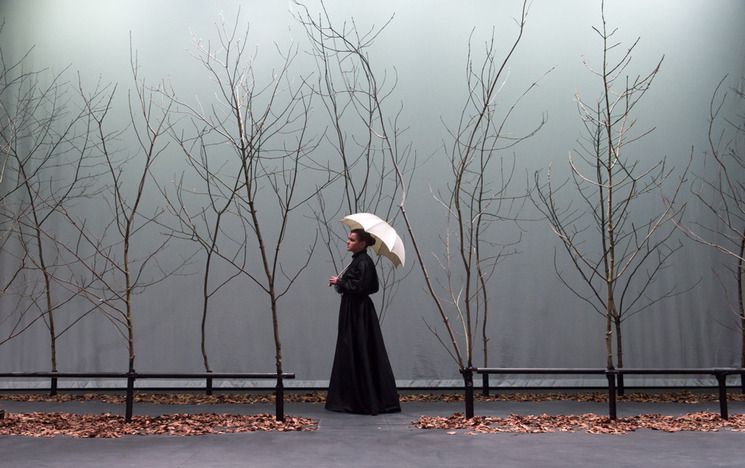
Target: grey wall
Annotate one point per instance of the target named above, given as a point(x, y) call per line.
point(536, 322)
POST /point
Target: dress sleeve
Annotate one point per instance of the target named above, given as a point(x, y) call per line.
point(360, 278)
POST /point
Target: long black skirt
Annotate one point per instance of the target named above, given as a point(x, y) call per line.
point(361, 378)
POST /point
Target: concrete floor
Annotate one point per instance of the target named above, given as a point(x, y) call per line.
point(344, 440)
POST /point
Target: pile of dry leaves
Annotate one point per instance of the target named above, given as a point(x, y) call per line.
point(591, 423)
point(110, 426)
point(107, 425)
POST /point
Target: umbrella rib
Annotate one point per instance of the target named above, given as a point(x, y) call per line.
point(391, 247)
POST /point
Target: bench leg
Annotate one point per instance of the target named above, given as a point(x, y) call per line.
point(722, 383)
point(279, 399)
point(468, 382)
point(620, 386)
point(485, 384)
point(53, 386)
point(130, 398)
point(611, 376)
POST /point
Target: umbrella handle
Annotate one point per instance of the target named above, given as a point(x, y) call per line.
point(342, 271)
point(338, 275)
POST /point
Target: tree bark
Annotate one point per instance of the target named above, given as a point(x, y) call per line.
point(741, 304)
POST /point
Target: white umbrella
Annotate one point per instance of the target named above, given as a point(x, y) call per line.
point(388, 243)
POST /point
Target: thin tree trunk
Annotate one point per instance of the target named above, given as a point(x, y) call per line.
point(484, 335)
point(52, 332)
point(204, 317)
point(609, 333)
point(741, 304)
point(402, 207)
point(278, 359)
point(208, 383)
point(610, 258)
point(128, 304)
point(49, 310)
point(277, 342)
point(619, 343)
point(619, 353)
point(47, 282)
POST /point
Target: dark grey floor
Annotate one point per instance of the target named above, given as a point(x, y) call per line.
point(344, 440)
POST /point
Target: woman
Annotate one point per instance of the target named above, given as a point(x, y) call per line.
point(361, 378)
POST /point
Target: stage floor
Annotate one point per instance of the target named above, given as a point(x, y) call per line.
point(344, 440)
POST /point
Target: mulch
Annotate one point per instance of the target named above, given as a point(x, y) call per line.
point(110, 426)
point(590, 423)
point(50, 424)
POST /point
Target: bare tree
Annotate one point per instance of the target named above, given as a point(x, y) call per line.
point(721, 192)
point(615, 248)
point(50, 167)
point(202, 213)
point(262, 130)
point(479, 199)
point(350, 96)
point(15, 79)
point(474, 201)
point(45, 144)
point(110, 265)
point(353, 46)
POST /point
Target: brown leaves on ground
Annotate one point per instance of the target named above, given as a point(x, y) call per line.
point(248, 398)
point(590, 423)
point(110, 426)
point(107, 425)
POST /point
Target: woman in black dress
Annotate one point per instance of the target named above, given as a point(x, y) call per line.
point(361, 378)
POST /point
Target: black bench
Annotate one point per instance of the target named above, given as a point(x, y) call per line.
point(611, 375)
point(131, 377)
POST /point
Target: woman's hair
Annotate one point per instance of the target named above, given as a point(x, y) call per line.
point(364, 236)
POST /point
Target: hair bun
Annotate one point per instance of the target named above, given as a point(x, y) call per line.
point(368, 238)
point(364, 236)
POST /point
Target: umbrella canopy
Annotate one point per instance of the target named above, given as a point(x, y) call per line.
point(388, 243)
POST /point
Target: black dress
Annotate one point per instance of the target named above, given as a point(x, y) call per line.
point(361, 378)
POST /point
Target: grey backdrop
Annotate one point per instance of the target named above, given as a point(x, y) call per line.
point(535, 322)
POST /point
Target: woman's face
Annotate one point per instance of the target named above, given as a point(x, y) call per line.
point(355, 245)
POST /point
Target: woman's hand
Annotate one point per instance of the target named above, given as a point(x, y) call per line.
point(333, 280)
